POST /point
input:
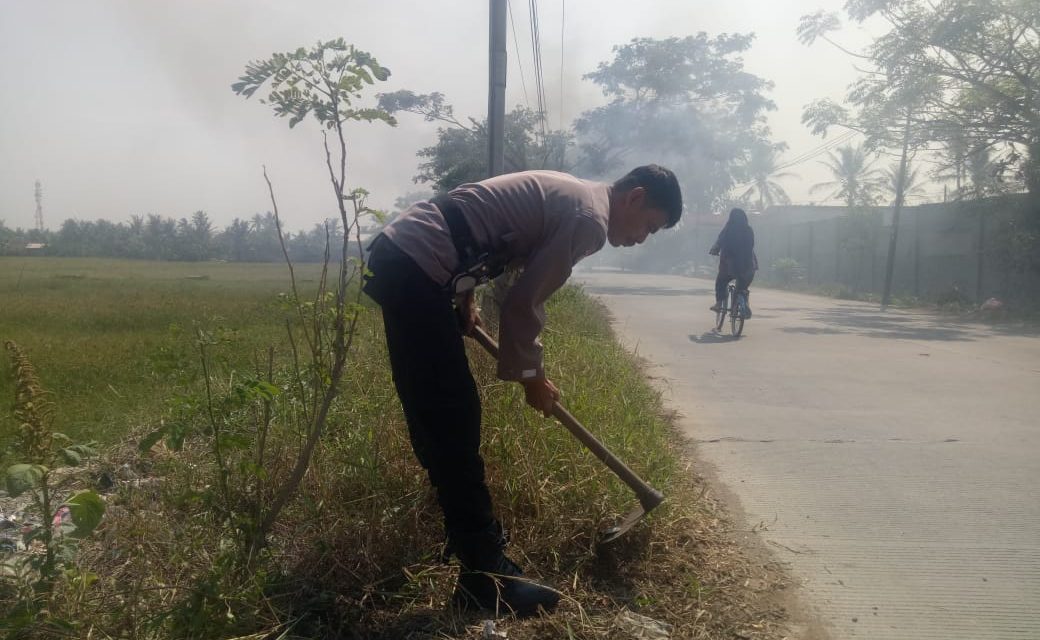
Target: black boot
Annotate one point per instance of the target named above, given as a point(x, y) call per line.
point(489, 580)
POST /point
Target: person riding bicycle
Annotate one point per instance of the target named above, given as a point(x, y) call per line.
point(735, 247)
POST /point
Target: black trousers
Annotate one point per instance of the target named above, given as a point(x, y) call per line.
point(721, 282)
point(435, 385)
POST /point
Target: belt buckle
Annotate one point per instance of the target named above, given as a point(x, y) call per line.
point(471, 277)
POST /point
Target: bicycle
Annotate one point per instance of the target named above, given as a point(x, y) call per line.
point(735, 304)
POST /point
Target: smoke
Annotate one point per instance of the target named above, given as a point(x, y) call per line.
point(124, 107)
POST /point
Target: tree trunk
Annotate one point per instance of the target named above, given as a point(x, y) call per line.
point(1032, 171)
point(837, 252)
point(809, 261)
point(917, 254)
point(886, 296)
point(981, 256)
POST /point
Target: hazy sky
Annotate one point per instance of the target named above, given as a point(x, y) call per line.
point(124, 107)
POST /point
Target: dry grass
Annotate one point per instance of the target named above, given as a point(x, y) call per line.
point(345, 579)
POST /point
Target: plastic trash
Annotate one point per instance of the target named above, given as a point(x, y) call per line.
point(489, 632)
point(641, 627)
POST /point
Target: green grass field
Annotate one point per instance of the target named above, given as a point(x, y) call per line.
point(97, 330)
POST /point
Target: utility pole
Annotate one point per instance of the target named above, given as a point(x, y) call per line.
point(39, 206)
point(497, 87)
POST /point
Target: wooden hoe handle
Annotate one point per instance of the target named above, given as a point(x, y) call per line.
point(648, 496)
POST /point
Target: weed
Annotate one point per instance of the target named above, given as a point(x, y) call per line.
point(51, 540)
point(787, 273)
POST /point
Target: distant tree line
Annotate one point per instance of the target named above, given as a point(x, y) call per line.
point(154, 237)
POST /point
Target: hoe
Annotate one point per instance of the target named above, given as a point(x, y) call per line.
point(648, 496)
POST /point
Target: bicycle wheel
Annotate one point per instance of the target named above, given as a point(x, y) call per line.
point(736, 323)
point(720, 317)
point(736, 316)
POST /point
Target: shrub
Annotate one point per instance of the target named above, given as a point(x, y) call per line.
point(787, 272)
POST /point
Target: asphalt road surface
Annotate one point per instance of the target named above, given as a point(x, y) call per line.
point(892, 459)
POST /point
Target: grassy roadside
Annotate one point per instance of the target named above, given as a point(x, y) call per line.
point(357, 554)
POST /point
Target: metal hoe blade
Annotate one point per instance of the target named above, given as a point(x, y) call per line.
point(634, 516)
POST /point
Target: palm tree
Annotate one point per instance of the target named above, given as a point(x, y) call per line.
point(956, 149)
point(855, 180)
point(983, 174)
point(763, 170)
point(912, 188)
point(264, 239)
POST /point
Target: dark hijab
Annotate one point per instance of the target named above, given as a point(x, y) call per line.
point(737, 217)
point(737, 242)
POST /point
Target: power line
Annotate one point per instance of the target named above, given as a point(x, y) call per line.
point(806, 156)
point(516, 46)
point(812, 153)
point(536, 47)
point(563, 26)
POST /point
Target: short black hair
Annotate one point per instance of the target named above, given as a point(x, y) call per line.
point(662, 189)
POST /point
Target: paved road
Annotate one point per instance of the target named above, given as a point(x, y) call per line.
point(893, 459)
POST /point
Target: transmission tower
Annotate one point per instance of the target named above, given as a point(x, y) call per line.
point(39, 206)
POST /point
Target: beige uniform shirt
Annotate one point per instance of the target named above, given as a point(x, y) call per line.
point(545, 221)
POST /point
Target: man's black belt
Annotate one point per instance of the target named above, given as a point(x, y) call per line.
point(465, 244)
point(476, 266)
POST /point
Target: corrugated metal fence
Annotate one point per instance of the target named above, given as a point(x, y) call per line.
point(973, 247)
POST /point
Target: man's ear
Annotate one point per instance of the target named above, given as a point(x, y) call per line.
point(635, 197)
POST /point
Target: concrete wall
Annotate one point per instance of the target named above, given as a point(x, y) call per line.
point(940, 247)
